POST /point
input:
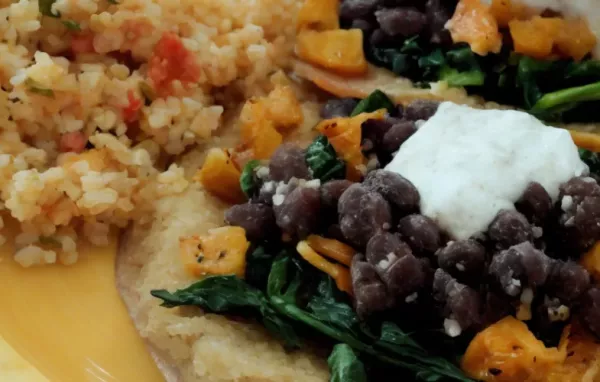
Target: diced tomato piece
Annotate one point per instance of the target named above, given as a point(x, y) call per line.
point(82, 42)
point(171, 61)
point(130, 112)
point(74, 141)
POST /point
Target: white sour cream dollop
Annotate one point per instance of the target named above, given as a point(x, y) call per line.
point(468, 164)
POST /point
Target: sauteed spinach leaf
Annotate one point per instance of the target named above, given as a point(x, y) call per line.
point(592, 159)
point(323, 161)
point(297, 299)
point(345, 366)
point(248, 180)
point(375, 101)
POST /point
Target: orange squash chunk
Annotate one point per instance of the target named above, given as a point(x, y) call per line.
point(507, 10)
point(583, 361)
point(220, 176)
point(535, 37)
point(575, 39)
point(508, 351)
point(319, 15)
point(338, 50)
point(591, 261)
point(474, 23)
point(266, 141)
point(222, 251)
point(258, 130)
point(283, 108)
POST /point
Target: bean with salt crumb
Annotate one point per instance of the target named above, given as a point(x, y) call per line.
point(298, 214)
point(397, 190)
point(397, 134)
point(520, 266)
point(509, 228)
point(362, 214)
point(373, 131)
point(331, 192)
point(403, 276)
point(385, 247)
point(370, 293)
point(421, 233)
point(463, 259)
point(288, 162)
point(405, 21)
point(438, 13)
point(352, 9)
point(256, 219)
point(460, 302)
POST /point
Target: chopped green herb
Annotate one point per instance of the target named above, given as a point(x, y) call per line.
point(592, 159)
point(45, 7)
point(113, 1)
point(374, 101)
point(322, 160)
point(344, 365)
point(34, 87)
point(72, 25)
point(148, 92)
point(248, 180)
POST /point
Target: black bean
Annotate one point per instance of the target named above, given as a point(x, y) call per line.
point(256, 219)
point(509, 228)
point(385, 247)
point(579, 223)
point(370, 293)
point(372, 131)
point(378, 38)
point(396, 189)
point(397, 135)
point(364, 25)
point(463, 259)
point(401, 21)
point(519, 266)
point(298, 214)
point(460, 301)
point(403, 276)
point(579, 187)
point(496, 307)
point(590, 307)
point(421, 109)
point(421, 233)
point(567, 281)
point(338, 107)
point(438, 15)
point(288, 162)
point(352, 9)
point(331, 192)
point(535, 203)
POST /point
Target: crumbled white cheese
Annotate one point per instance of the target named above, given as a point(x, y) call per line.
point(537, 232)
point(452, 327)
point(262, 172)
point(481, 161)
point(373, 162)
point(566, 203)
point(527, 296)
point(411, 297)
point(384, 263)
point(460, 267)
point(269, 186)
point(315, 183)
point(278, 199)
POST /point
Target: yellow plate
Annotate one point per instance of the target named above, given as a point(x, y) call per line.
point(68, 324)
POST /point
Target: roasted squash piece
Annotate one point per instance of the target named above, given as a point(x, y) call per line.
point(319, 15)
point(258, 130)
point(575, 39)
point(338, 50)
point(588, 141)
point(507, 10)
point(591, 261)
point(266, 141)
point(220, 176)
point(508, 351)
point(344, 134)
point(474, 24)
point(535, 37)
point(340, 274)
point(283, 108)
point(222, 251)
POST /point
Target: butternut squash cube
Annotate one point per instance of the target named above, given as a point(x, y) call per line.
point(319, 15)
point(220, 176)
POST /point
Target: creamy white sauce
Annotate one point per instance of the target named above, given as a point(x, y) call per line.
point(468, 164)
point(587, 9)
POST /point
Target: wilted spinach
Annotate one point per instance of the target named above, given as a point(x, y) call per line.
point(373, 102)
point(592, 159)
point(34, 87)
point(322, 160)
point(344, 365)
point(72, 25)
point(285, 310)
point(248, 180)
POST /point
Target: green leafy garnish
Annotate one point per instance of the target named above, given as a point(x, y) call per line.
point(229, 294)
point(72, 25)
point(322, 160)
point(45, 7)
point(374, 101)
point(592, 159)
point(34, 87)
point(113, 1)
point(258, 266)
point(248, 180)
point(285, 311)
point(148, 92)
point(344, 365)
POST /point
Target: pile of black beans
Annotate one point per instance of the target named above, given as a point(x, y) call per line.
point(387, 22)
point(527, 257)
